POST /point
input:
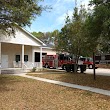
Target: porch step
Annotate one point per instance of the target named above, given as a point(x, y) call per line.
point(14, 71)
point(7, 71)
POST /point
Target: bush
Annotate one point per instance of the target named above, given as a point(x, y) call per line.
point(33, 69)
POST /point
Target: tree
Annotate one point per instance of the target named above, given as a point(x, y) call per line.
point(48, 38)
point(54, 36)
point(99, 23)
point(17, 12)
point(38, 34)
point(73, 38)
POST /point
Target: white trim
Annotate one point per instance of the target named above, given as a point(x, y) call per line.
point(0, 53)
point(33, 36)
point(22, 56)
point(40, 57)
point(0, 57)
point(33, 56)
point(48, 47)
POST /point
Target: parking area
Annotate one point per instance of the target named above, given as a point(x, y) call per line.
point(99, 71)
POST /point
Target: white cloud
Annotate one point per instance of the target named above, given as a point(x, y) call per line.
point(61, 19)
point(59, 8)
point(56, 18)
point(83, 2)
point(65, 0)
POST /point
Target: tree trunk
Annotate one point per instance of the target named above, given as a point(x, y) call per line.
point(76, 63)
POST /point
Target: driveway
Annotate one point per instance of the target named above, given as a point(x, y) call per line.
point(99, 71)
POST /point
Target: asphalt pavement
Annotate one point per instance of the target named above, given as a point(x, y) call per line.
point(99, 71)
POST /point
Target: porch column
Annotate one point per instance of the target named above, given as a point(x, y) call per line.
point(22, 56)
point(0, 57)
point(40, 57)
point(33, 56)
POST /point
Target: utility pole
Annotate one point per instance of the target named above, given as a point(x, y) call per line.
point(94, 66)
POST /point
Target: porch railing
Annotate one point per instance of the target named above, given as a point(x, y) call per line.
point(26, 65)
point(17, 64)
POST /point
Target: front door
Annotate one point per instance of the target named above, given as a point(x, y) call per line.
point(4, 63)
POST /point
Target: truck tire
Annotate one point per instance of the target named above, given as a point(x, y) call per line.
point(63, 67)
point(46, 65)
point(90, 66)
point(82, 68)
point(68, 67)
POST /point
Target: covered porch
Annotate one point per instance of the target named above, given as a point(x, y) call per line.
point(18, 56)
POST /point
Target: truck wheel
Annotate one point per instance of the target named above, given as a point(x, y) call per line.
point(90, 66)
point(82, 68)
point(82, 71)
point(63, 67)
point(46, 65)
point(68, 67)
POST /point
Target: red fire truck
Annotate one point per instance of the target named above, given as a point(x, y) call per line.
point(54, 61)
point(64, 61)
point(49, 61)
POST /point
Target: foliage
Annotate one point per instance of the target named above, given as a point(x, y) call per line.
point(33, 69)
point(38, 34)
point(48, 37)
point(73, 37)
point(88, 31)
point(19, 12)
point(99, 23)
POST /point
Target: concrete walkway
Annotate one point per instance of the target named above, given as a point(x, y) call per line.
point(92, 89)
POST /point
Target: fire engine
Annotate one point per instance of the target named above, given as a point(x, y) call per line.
point(61, 60)
point(64, 61)
point(54, 61)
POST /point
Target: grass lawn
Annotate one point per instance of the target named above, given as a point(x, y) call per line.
point(17, 93)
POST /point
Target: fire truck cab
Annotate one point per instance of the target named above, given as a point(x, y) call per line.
point(87, 61)
point(64, 59)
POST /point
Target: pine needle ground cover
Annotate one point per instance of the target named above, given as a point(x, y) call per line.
point(18, 93)
point(102, 82)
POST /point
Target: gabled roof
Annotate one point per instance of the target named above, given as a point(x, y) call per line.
point(43, 44)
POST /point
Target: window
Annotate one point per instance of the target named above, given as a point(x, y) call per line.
point(25, 58)
point(61, 57)
point(17, 58)
point(97, 57)
point(44, 54)
point(37, 57)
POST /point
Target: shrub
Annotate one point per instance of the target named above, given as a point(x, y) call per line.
point(33, 69)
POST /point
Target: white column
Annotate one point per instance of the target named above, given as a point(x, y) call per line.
point(0, 57)
point(33, 56)
point(40, 57)
point(22, 56)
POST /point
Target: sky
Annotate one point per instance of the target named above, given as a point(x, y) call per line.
point(54, 18)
